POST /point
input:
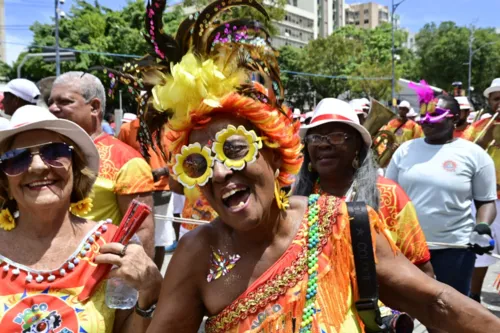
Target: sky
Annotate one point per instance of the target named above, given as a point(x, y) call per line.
point(20, 14)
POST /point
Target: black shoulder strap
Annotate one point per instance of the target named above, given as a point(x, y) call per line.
point(364, 260)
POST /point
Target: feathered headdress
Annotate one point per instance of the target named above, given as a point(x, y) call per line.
point(211, 66)
point(425, 97)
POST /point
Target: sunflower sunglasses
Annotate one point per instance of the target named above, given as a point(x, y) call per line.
point(233, 147)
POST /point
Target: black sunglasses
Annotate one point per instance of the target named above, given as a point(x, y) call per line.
point(17, 161)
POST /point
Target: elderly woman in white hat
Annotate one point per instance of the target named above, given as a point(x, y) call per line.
point(48, 253)
point(338, 161)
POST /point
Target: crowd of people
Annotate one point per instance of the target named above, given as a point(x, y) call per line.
point(284, 222)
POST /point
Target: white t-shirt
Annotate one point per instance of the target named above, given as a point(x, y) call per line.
point(442, 181)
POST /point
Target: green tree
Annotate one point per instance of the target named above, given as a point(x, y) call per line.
point(443, 55)
point(5, 71)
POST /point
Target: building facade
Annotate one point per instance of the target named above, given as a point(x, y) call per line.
point(331, 16)
point(304, 21)
point(366, 15)
point(299, 26)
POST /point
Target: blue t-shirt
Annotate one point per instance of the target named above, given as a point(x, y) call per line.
point(106, 127)
point(442, 181)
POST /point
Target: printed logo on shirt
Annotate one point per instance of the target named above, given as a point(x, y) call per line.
point(450, 166)
point(37, 314)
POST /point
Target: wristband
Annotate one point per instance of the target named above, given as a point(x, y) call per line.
point(148, 313)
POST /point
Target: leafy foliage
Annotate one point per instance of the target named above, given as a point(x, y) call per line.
point(443, 55)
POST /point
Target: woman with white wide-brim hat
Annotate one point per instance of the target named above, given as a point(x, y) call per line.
point(47, 252)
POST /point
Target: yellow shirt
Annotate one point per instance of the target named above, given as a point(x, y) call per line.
point(122, 171)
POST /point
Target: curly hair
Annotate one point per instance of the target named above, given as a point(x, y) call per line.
point(281, 132)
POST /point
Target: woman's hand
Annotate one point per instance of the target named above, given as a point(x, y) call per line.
point(133, 266)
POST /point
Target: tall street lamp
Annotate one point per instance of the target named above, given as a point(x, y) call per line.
point(58, 14)
point(393, 50)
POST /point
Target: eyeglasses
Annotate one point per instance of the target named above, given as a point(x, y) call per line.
point(335, 138)
point(435, 117)
point(17, 161)
point(233, 147)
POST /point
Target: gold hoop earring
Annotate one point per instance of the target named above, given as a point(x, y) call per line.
point(310, 167)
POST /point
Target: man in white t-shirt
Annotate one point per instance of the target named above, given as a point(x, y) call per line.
point(444, 177)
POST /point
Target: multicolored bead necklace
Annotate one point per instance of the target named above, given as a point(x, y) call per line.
point(312, 262)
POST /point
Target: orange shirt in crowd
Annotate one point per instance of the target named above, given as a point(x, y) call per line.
point(128, 134)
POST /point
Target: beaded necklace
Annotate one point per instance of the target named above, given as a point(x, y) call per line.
point(312, 263)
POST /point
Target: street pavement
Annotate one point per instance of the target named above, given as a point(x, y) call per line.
point(490, 297)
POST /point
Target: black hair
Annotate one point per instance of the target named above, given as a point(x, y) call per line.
point(108, 116)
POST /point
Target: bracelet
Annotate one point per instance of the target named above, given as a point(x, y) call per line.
point(148, 313)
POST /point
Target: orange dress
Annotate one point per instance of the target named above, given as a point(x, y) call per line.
point(275, 302)
point(398, 214)
point(47, 301)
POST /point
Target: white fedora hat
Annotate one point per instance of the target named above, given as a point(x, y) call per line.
point(495, 86)
point(332, 110)
point(31, 117)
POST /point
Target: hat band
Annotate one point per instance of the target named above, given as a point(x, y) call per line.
point(329, 117)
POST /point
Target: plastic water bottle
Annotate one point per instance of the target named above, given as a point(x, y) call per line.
point(120, 295)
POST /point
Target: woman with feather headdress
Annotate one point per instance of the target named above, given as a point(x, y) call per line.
point(268, 262)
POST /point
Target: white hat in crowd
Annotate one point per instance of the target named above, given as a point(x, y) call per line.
point(412, 113)
point(332, 110)
point(366, 103)
point(463, 102)
point(24, 89)
point(128, 117)
point(32, 117)
point(495, 86)
point(358, 106)
point(404, 104)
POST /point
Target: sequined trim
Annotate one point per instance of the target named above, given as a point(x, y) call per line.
point(277, 286)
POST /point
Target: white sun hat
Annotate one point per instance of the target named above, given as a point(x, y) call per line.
point(24, 89)
point(332, 110)
point(32, 117)
point(495, 86)
point(463, 102)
